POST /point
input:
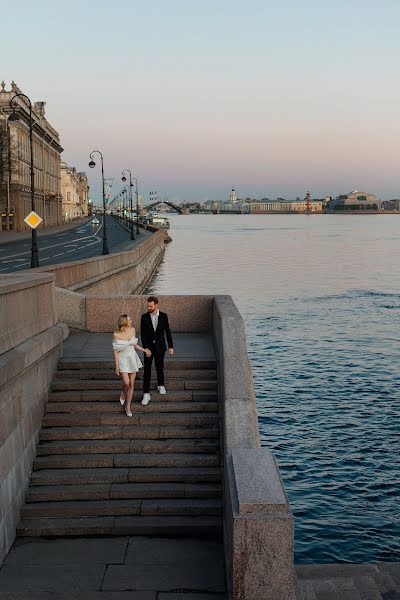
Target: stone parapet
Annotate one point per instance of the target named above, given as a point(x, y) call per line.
point(31, 345)
point(258, 523)
point(27, 307)
point(99, 314)
point(114, 274)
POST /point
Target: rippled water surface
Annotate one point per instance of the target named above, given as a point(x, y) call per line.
point(320, 298)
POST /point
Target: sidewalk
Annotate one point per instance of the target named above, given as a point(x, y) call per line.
point(15, 236)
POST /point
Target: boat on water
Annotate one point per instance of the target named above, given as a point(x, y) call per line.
point(158, 221)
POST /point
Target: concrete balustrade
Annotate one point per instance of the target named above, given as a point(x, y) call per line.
point(30, 347)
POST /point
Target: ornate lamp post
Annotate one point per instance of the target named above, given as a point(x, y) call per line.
point(15, 117)
point(92, 164)
point(130, 199)
point(137, 206)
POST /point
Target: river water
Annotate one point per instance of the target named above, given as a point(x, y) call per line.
point(320, 298)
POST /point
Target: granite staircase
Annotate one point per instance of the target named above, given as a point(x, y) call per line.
point(99, 472)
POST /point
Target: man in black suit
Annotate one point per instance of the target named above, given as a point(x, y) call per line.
point(154, 327)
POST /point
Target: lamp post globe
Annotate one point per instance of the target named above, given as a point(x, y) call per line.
point(14, 117)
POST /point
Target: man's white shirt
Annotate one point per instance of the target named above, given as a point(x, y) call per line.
point(154, 319)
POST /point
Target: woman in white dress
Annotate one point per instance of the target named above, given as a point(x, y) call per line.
point(127, 362)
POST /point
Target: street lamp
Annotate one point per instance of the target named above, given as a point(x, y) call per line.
point(137, 197)
point(92, 164)
point(130, 199)
point(15, 117)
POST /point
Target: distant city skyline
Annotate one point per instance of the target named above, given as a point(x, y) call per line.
point(274, 98)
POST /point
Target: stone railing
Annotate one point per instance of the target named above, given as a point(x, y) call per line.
point(114, 274)
point(30, 347)
point(258, 523)
point(100, 313)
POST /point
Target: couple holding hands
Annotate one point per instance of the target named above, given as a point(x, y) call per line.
point(154, 327)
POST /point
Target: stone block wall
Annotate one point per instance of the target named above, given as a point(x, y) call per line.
point(30, 347)
point(99, 314)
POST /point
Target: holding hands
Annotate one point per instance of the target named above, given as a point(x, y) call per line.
point(147, 352)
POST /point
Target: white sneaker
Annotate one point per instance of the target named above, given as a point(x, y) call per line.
point(161, 389)
point(146, 399)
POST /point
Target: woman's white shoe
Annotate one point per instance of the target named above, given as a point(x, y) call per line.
point(128, 413)
point(122, 399)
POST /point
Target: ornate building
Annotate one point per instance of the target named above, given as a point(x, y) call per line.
point(355, 200)
point(15, 157)
point(75, 193)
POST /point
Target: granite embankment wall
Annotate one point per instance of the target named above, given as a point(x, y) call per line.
point(30, 346)
point(258, 522)
point(114, 274)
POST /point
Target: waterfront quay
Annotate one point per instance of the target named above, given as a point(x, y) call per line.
point(178, 502)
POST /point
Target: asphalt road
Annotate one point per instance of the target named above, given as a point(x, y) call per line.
point(84, 241)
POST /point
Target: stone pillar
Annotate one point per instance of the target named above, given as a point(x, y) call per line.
point(261, 528)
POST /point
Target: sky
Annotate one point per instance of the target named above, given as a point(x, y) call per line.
point(273, 97)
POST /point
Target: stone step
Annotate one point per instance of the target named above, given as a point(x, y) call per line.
point(90, 461)
point(184, 507)
point(115, 407)
point(122, 446)
point(107, 491)
point(175, 364)
point(166, 526)
point(113, 396)
point(127, 432)
point(106, 477)
point(126, 506)
point(192, 419)
point(109, 374)
point(90, 508)
point(60, 384)
point(165, 490)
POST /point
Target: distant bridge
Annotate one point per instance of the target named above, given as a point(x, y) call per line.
point(174, 206)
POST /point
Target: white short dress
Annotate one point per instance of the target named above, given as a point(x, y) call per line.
point(129, 361)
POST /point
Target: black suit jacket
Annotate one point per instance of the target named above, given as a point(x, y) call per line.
point(155, 338)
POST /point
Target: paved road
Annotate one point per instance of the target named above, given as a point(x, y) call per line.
point(84, 241)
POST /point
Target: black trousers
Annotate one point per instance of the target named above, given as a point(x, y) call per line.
point(159, 361)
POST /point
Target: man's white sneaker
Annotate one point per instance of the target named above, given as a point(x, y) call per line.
point(146, 399)
point(161, 389)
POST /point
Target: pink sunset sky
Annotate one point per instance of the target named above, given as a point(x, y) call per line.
point(272, 97)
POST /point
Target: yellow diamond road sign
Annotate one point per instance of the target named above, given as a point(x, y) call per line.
point(33, 220)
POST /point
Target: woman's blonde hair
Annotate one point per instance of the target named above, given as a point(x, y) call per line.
point(122, 322)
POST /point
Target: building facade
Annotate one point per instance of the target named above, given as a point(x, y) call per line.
point(286, 206)
point(15, 160)
point(75, 193)
point(355, 200)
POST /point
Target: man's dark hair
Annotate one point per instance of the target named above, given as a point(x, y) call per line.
point(152, 299)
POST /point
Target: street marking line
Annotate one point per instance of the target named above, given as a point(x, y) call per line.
point(61, 243)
